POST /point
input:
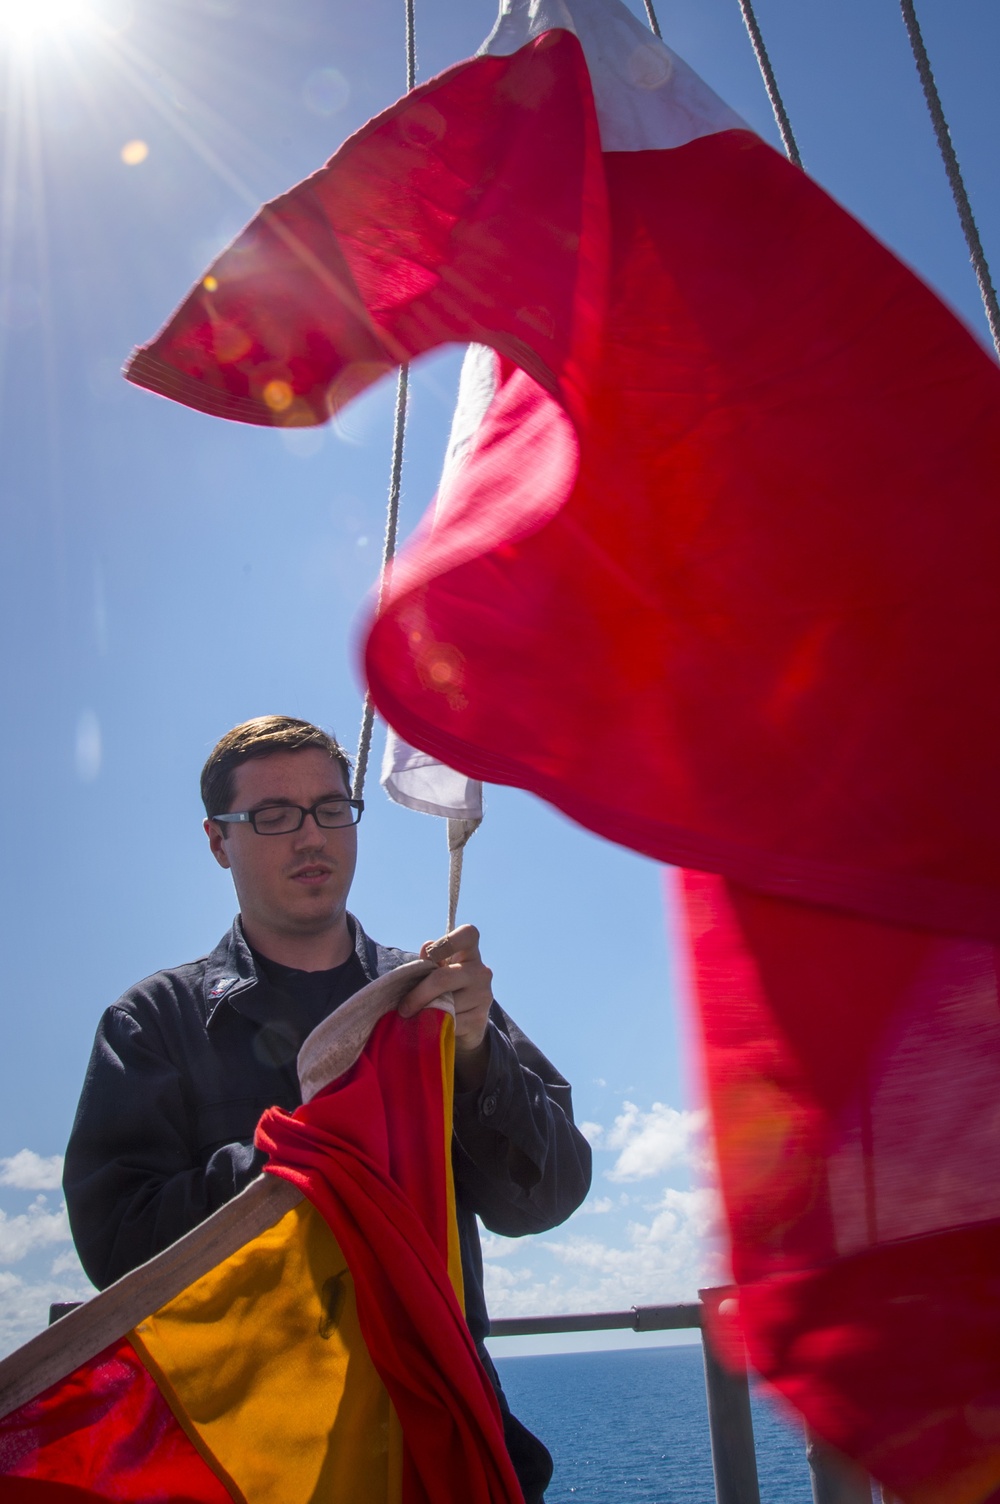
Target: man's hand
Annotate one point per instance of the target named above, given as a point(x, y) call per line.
point(461, 972)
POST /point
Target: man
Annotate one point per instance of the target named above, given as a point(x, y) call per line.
point(185, 1062)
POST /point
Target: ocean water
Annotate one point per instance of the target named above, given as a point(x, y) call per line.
point(632, 1428)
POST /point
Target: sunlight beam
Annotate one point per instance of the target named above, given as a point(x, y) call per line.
point(26, 20)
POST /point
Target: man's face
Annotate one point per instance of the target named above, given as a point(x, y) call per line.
point(295, 884)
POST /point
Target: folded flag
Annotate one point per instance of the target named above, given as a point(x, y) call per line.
point(717, 577)
point(324, 1354)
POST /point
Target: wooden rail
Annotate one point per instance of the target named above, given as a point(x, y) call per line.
point(87, 1329)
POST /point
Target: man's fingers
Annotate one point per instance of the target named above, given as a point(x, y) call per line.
point(438, 950)
point(461, 972)
point(464, 940)
point(426, 991)
point(470, 983)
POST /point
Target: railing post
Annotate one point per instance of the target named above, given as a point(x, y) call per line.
point(835, 1479)
point(730, 1423)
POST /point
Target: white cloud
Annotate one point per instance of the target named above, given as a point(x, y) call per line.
point(657, 1244)
point(24, 1307)
point(67, 1263)
point(502, 1277)
point(30, 1230)
point(39, 1242)
point(28, 1171)
point(497, 1247)
point(663, 1260)
point(36, 1238)
point(650, 1143)
point(696, 1213)
point(519, 1292)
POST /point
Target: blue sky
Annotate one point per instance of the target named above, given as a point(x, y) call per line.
point(165, 575)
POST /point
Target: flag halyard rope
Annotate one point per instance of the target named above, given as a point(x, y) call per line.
point(456, 855)
point(767, 73)
point(770, 82)
point(395, 472)
point(388, 554)
point(411, 47)
point(954, 172)
point(654, 24)
point(459, 831)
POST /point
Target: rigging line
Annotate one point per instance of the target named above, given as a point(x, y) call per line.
point(395, 471)
point(388, 553)
point(411, 47)
point(948, 155)
point(455, 858)
point(654, 24)
point(770, 83)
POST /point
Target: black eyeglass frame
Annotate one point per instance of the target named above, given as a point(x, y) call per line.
point(249, 816)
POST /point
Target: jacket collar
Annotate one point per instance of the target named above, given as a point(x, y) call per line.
point(231, 971)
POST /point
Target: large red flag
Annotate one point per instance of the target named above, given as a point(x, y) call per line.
point(715, 574)
point(852, 1069)
point(734, 501)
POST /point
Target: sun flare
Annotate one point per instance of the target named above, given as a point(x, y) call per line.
point(26, 20)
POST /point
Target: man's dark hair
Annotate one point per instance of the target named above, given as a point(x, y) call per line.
point(262, 737)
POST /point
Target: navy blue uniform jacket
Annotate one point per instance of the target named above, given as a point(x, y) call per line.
point(184, 1064)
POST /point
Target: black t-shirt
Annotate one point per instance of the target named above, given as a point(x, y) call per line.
point(306, 998)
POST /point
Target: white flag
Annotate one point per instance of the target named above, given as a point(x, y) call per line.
point(420, 782)
point(410, 777)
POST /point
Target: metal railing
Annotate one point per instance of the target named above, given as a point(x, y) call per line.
point(638, 1319)
point(835, 1480)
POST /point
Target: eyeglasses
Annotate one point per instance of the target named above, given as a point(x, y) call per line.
point(282, 819)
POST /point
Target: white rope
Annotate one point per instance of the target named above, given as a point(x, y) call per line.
point(411, 47)
point(388, 554)
point(770, 82)
point(456, 855)
point(957, 183)
point(654, 24)
point(459, 833)
point(395, 475)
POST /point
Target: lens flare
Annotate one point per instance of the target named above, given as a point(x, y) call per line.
point(25, 20)
point(278, 395)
